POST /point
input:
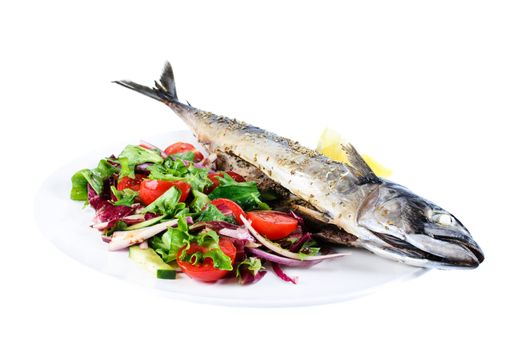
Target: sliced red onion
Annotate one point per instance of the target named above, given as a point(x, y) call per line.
point(279, 250)
point(247, 276)
point(147, 145)
point(143, 167)
point(224, 209)
point(149, 216)
point(100, 226)
point(106, 239)
point(113, 161)
point(207, 161)
point(299, 243)
point(133, 219)
point(129, 220)
point(282, 275)
point(124, 239)
point(238, 233)
point(213, 225)
point(297, 217)
point(240, 246)
point(280, 259)
point(189, 220)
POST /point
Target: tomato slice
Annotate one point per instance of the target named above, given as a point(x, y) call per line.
point(272, 224)
point(150, 190)
point(182, 147)
point(228, 207)
point(205, 271)
point(132, 183)
point(214, 178)
point(235, 176)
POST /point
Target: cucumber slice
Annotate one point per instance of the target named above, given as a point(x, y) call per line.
point(152, 262)
point(145, 223)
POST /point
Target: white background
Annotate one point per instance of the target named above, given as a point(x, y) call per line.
point(437, 91)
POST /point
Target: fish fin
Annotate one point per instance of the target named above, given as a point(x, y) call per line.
point(164, 90)
point(358, 166)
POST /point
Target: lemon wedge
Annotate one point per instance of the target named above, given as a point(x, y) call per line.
point(330, 145)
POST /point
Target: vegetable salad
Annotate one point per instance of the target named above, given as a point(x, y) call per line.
point(176, 213)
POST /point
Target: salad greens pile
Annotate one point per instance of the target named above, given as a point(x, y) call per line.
point(175, 213)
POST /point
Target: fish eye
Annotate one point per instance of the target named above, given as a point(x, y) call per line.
point(443, 219)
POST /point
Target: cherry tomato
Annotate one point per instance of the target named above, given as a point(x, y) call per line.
point(214, 178)
point(228, 207)
point(205, 271)
point(128, 182)
point(272, 224)
point(182, 147)
point(150, 190)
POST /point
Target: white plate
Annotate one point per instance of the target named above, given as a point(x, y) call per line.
point(66, 224)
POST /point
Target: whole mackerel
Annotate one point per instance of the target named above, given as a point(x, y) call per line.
point(386, 218)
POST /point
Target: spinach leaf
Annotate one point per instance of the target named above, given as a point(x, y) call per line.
point(125, 197)
point(169, 170)
point(127, 170)
point(199, 202)
point(244, 194)
point(183, 156)
point(211, 213)
point(94, 177)
point(138, 155)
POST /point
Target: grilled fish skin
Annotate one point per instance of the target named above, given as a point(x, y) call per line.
point(285, 201)
point(387, 218)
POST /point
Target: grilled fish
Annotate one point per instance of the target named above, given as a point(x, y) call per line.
point(380, 216)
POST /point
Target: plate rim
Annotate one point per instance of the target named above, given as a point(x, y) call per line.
point(40, 196)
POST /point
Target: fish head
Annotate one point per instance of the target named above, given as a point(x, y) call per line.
point(409, 227)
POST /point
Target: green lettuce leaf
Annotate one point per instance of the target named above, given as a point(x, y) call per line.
point(208, 239)
point(138, 155)
point(244, 194)
point(169, 243)
point(309, 248)
point(125, 197)
point(220, 260)
point(200, 201)
point(175, 170)
point(253, 264)
point(94, 177)
point(169, 170)
point(197, 178)
point(127, 170)
point(183, 156)
point(211, 213)
point(176, 238)
point(167, 204)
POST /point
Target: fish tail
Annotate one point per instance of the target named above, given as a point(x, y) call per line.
point(164, 90)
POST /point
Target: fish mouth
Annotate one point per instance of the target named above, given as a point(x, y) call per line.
point(443, 248)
